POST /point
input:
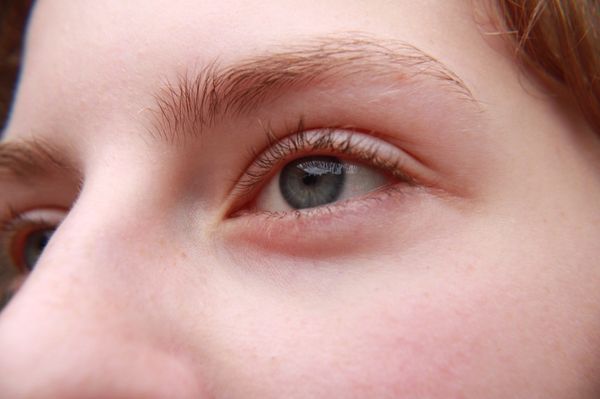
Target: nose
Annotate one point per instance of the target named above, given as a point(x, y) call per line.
point(85, 325)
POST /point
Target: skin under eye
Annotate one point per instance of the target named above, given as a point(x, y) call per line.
point(314, 181)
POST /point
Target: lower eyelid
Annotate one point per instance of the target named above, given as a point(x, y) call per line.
point(334, 228)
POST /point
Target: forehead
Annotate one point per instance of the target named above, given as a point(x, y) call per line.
point(95, 62)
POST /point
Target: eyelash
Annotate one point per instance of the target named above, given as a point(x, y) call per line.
point(302, 141)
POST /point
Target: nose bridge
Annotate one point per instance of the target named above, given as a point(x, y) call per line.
point(98, 253)
point(83, 324)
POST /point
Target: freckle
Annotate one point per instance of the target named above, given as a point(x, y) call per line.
point(183, 255)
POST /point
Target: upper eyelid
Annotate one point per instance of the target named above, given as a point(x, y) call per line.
point(30, 167)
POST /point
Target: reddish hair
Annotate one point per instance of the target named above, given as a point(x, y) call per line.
point(560, 41)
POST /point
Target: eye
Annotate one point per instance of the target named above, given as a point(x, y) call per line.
point(25, 237)
point(34, 244)
point(314, 181)
point(319, 167)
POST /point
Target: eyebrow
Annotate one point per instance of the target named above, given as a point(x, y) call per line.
point(24, 160)
point(195, 102)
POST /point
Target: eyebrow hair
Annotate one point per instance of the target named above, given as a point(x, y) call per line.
point(195, 102)
point(23, 160)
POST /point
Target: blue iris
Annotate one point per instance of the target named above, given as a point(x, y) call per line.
point(312, 181)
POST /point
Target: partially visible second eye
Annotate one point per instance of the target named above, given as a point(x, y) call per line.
point(26, 236)
point(23, 239)
point(314, 181)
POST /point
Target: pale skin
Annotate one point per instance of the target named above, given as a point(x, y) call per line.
point(476, 278)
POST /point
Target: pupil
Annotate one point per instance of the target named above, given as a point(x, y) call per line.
point(312, 181)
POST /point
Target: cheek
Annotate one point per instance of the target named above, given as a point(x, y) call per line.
point(438, 333)
point(376, 341)
point(413, 345)
point(406, 348)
